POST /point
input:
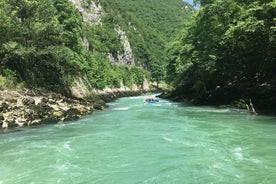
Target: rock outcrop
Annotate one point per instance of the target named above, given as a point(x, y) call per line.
point(125, 58)
point(34, 107)
point(29, 107)
point(82, 90)
point(91, 12)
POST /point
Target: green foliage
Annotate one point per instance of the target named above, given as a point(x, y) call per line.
point(150, 25)
point(101, 73)
point(7, 78)
point(98, 70)
point(43, 46)
point(230, 43)
point(42, 42)
point(102, 39)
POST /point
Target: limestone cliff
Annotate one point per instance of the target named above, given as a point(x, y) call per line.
point(93, 14)
point(126, 57)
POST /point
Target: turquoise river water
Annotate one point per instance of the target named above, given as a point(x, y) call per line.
point(132, 142)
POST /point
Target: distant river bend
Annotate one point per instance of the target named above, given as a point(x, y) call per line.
point(134, 142)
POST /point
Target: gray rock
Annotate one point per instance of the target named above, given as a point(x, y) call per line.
point(28, 101)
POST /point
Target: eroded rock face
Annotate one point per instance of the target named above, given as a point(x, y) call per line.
point(125, 58)
point(91, 12)
point(80, 89)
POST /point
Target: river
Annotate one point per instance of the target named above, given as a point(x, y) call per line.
point(132, 142)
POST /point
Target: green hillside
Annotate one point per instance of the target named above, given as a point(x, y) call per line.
point(150, 25)
point(42, 42)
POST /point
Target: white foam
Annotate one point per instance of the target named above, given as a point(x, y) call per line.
point(62, 167)
point(158, 105)
point(238, 149)
point(136, 97)
point(66, 145)
point(111, 104)
point(168, 139)
point(121, 109)
point(238, 153)
point(256, 161)
point(217, 165)
point(211, 110)
point(239, 156)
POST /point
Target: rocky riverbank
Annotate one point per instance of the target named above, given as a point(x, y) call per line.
point(34, 107)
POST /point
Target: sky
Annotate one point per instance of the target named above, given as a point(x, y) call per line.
point(189, 1)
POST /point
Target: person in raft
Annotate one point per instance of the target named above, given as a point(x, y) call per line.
point(151, 100)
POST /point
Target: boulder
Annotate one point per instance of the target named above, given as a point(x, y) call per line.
point(44, 99)
point(1, 117)
point(99, 104)
point(35, 122)
point(28, 101)
point(21, 121)
point(5, 124)
point(50, 119)
point(4, 107)
point(58, 114)
point(71, 112)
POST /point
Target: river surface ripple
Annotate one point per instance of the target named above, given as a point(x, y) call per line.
point(134, 142)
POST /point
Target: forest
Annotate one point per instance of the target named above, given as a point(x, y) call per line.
point(222, 52)
point(42, 42)
point(227, 54)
